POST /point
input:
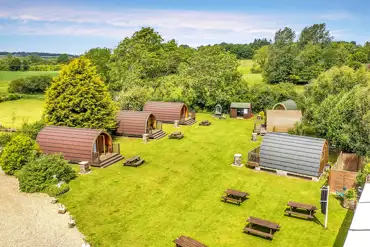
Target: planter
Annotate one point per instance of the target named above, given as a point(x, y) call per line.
point(349, 204)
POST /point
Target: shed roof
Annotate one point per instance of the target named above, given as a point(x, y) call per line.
point(240, 105)
point(288, 104)
point(76, 144)
point(132, 122)
point(292, 153)
point(165, 111)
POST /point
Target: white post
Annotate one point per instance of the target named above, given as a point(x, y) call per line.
point(327, 208)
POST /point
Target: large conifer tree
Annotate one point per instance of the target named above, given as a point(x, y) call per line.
point(78, 98)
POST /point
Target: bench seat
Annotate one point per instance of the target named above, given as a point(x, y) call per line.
point(257, 232)
point(226, 198)
point(289, 212)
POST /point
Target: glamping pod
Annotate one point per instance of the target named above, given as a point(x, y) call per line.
point(242, 110)
point(79, 144)
point(293, 154)
point(137, 123)
point(282, 121)
point(169, 112)
point(286, 105)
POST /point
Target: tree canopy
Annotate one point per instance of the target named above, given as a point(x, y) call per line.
point(78, 98)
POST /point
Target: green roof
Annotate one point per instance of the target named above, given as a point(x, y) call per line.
point(240, 105)
point(288, 104)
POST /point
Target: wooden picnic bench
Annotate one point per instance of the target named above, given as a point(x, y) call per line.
point(234, 196)
point(185, 241)
point(205, 123)
point(301, 209)
point(270, 226)
point(134, 161)
point(176, 135)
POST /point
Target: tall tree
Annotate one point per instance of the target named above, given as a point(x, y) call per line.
point(100, 57)
point(15, 64)
point(63, 58)
point(315, 34)
point(210, 77)
point(308, 64)
point(144, 57)
point(78, 98)
point(284, 37)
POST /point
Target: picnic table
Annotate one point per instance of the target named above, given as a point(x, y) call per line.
point(234, 196)
point(205, 123)
point(301, 209)
point(176, 135)
point(184, 241)
point(270, 226)
point(134, 161)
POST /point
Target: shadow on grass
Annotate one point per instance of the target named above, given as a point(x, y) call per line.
point(343, 230)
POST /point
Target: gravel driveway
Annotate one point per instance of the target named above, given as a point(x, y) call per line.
point(30, 220)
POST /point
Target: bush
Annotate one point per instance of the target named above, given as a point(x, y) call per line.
point(53, 190)
point(5, 138)
point(256, 69)
point(43, 173)
point(31, 130)
point(17, 153)
point(302, 129)
point(9, 97)
point(351, 195)
point(361, 176)
point(30, 85)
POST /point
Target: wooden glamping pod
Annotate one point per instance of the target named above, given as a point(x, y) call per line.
point(286, 105)
point(169, 112)
point(242, 110)
point(80, 144)
point(137, 123)
point(291, 155)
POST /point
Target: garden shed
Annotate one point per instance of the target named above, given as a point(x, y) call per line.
point(137, 123)
point(79, 144)
point(169, 112)
point(282, 121)
point(286, 105)
point(344, 171)
point(241, 110)
point(293, 154)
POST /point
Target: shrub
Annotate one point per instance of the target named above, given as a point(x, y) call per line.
point(43, 173)
point(361, 176)
point(351, 194)
point(5, 138)
point(32, 129)
point(302, 129)
point(17, 153)
point(54, 190)
point(29, 85)
point(256, 69)
point(262, 114)
point(9, 97)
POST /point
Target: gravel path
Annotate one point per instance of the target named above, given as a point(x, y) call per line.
point(30, 220)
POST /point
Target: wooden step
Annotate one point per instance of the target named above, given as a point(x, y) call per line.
point(111, 160)
point(158, 135)
point(188, 122)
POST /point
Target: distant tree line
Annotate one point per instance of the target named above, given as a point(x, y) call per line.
point(244, 51)
point(40, 54)
point(301, 60)
point(32, 62)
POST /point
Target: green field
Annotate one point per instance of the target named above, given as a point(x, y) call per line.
point(255, 79)
point(177, 192)
point(7, 76)
point(15, 113)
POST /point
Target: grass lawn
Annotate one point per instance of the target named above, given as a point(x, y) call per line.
point(177, 192)
point(14, 113)
point(253, 79)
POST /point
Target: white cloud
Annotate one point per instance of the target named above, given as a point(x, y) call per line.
point(191, 27)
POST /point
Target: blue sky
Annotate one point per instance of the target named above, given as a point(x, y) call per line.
point(75, 26)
